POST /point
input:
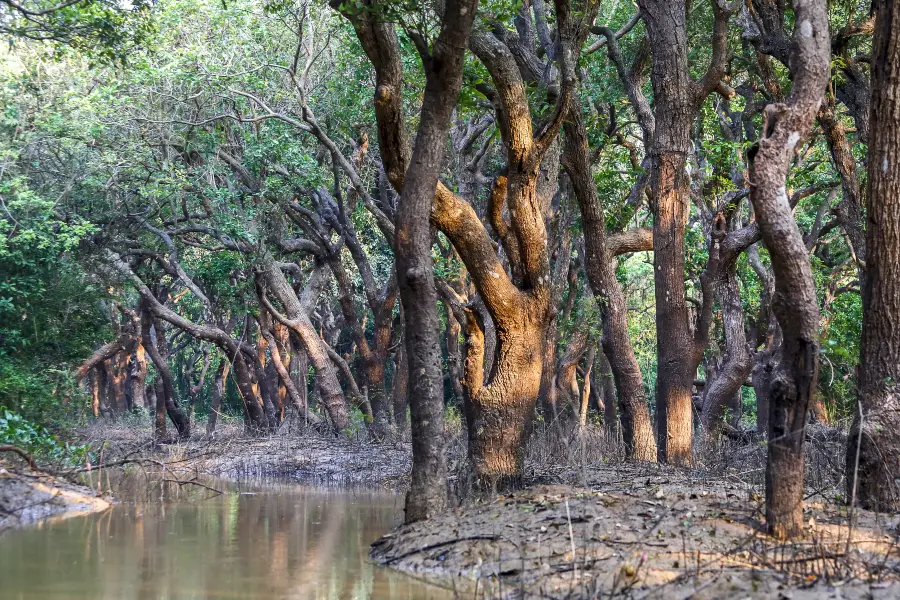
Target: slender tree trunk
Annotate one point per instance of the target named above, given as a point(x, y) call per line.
point(607, 388)
point(793, 380)
point(873, 451)
point(427, 495)
point(218, 391)
point(400, 388)
point(600, 270)
point(153, 340)
point(736, 365)
point(326, 378)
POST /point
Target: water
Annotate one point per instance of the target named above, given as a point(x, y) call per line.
point(258, 541)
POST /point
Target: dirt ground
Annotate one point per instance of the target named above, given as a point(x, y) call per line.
point(28, 497)
point(640, 531)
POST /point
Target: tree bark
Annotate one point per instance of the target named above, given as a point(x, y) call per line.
point(873, 450)
point(427, 495)
point(601, 274)
point(215, 406)
point(793, 379)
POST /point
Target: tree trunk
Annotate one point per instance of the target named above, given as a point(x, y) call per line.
point(607, 388)
point(427, 495)
point(400, 388)
point(298, 321)
point(153, 340)
point(218, 391)
point(793, 379)
point(600, 270)
point(736, 365)
point(873, 451)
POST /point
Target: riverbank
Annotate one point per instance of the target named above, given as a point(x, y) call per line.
point(28, 497)
point(589, 525)
point(642, 531)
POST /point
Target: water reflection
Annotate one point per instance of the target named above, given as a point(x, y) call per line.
point(256, 541)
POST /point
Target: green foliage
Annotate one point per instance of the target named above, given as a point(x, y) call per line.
point(38, 441)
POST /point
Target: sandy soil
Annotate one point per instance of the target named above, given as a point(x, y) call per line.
point(29, 497)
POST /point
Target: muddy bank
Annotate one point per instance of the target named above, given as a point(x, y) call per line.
point(645, 533)
point(302, 457)
point(29, 497)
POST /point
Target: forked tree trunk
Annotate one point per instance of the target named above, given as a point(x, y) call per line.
point(793, 379)
point(873, 451)
point(298, 321)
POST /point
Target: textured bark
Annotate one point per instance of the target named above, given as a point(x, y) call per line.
point(677, 100)
point(720, 393)
point(427, 495)
point(793, 379)
point(874, 473)
point(499, 412)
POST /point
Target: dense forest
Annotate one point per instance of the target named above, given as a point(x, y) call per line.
point(671, 226)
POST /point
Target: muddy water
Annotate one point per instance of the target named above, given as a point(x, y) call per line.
point(257, 541)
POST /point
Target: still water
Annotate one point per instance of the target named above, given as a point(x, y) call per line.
point(257, 541)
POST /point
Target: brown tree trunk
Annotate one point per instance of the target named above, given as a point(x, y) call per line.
point(606, 387)
point(218, 391)
point(793, 380)
point(427, 495)
point(599, 267)
point(153, 340)
point(138, 379)
point(297, 320)
point(873, 451)
point(736, 365)
point(677, 99)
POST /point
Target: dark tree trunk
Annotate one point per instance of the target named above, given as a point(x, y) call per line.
point(599, 267)
point(427, 495)
point(153, 340)
point(793, 379)
point(873, 451)
point(218, 391)
point(400, 388)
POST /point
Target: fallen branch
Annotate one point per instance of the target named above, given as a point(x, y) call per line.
point(25, 456)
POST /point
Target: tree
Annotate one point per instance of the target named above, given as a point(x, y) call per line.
point(873, 448)
point(793, 380)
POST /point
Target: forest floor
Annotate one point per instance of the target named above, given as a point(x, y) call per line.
point(590, 525)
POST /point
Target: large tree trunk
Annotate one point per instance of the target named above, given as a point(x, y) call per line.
point(873, 451)
point(427, 495)
point(793, 379)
